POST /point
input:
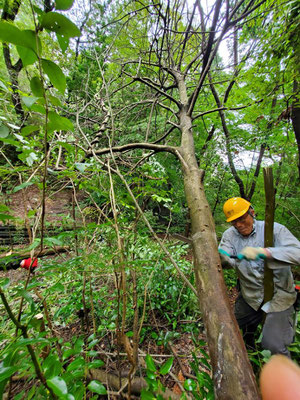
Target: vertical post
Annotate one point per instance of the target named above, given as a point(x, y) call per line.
point(269, 225)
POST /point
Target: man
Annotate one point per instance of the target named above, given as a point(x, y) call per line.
point(245, 239)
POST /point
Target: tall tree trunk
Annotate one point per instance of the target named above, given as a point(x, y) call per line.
point(232, 373)
point(295, 116)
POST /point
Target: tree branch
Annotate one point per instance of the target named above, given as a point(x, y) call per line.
point(132, 146)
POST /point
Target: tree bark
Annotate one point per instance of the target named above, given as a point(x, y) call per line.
point(232, 373)
point(268, 234)
point(295, 116)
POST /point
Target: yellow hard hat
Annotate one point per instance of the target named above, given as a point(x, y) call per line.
point(235, 208)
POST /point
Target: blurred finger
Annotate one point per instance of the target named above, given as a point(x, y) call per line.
point(280, 379)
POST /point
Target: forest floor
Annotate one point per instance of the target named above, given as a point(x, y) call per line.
point(180, 348)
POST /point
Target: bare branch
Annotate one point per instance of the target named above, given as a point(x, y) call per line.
point(132, 146)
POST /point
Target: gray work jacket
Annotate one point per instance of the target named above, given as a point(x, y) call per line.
point(286, 251)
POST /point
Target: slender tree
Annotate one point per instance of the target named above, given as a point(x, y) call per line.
point(172, 61)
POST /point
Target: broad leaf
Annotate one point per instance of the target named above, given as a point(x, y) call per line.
point(4, 283)
point(58, 123)
point(28, 100)
point(60, 24)
point(6, 372)
point(38, 108)
point(58, 385)
point(147, 395)
point(52, 366)
point(78, 363)
point(55, 74)
point(4, 131)
point(63, 4)
point(5, 217)
point(11, 34)
point(166, 367)
point(25, 342)
point(67, 146)
point(27, 55)
point(54, 100)
point(150, 363)
point(53, 241)
point(22, 186)
point(96, 364)
point(37, 86)
point(81, 166)
point(97, 387)
point(190, 385)
point(63, 42)
point(29, 129)
point(3, 86)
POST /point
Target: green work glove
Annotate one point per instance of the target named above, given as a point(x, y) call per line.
point(254, 253)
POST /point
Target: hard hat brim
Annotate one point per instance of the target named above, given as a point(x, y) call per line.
point(238, 215)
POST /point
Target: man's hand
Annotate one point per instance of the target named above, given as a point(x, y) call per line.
point(225, 260)
point(255, 253)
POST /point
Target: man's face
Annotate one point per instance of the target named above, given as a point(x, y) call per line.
point(244, 224)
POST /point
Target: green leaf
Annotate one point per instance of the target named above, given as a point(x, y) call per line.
point(55, 74)
point(22, 186)
point(4, 131)
point(38, 10)
point(81, 166)
point(4, 284)
point(166, 367)
point(6, 217)
point(78, 363)
point(68, 353)
point(147, 395)
point(29, 100)
point(11, 34)
point(31, 158)
point(97, 387)
point(52, 366)
point(60, 24)
point(6, 372)
point(3, 86)
point(53, 242)
point(54, 100)
point(63, 42)
point(36, 86)
point(63, 4)
point(190, 385)
point(38, 108)
point(58, 123)
point(95, 364)
point(27, 55)
point(29, 129)
point(150, 363)
point(26, 342)
point(58, 385)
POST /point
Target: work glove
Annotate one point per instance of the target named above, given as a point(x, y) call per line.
point(227, 260)
point(28, 262)
point(255, 253)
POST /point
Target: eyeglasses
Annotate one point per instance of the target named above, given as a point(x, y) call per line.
point(240, 219)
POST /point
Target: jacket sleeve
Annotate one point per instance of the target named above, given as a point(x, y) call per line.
point(227, 245)
point(286, 248)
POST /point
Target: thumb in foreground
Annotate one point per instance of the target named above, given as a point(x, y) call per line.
point(280, 379)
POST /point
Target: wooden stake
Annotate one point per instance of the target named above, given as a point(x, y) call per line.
point(269, 226)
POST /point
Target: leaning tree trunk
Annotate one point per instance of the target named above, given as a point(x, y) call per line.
point(232, 373)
